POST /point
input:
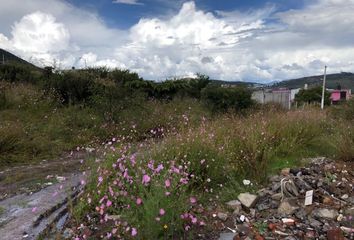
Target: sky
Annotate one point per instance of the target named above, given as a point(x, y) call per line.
point(233, 40)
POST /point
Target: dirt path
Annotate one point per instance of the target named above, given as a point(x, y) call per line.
point(33, 197)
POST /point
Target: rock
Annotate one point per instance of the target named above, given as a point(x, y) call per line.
point(314, 223)
point(274, 178)
point(290, 238)
point(327, 201)
point(335, 234)
point(276, 196)
point(351, 200)
point(285, 171)
point(340, 217)
point(114, 217)
point(227, 236)
point(310, 235)
point(276, 186)
point(234, 205)
point(349, 211)
point(262, 207)
point(287, 207)
point(247, 199)
point(295, 171)
point(222, 216)
point(301, 214)
point(325, 213)
point(68, 233)
point(345, 197)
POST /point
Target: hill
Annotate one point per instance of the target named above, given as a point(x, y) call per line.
point(238, 83)
point(7, 57)
point(345, 80)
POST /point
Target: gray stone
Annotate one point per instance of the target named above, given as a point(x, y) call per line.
point(345, 196)
point(276, 196)
point(247, 199)
point(227, 236)
point(274, 178)
point(349, 211)
point(68, 233)
point(234, 205)
point(314, 223)
point(222, 216)
point(325, 213)
point(287, 207)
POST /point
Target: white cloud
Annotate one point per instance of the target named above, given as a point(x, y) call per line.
point(39, 32)
point(257, 45)
point(87, 31)
point(129, 2)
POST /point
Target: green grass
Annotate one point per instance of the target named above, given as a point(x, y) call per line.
point(34, 126)
point(216, 155)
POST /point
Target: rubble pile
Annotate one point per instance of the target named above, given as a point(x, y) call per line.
point(314, 202)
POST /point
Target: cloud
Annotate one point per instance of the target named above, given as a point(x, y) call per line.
point(257, 45)
point(129, 2)
point(39, 32)
point(74, 32)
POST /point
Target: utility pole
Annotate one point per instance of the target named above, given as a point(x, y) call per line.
point(3, 59)
point(323, 88)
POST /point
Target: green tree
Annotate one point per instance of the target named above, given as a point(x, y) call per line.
point(312, 95)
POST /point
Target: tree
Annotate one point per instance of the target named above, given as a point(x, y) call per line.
point(312, 95)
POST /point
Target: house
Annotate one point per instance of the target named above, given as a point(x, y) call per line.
point(338, 96)
point(280, 96)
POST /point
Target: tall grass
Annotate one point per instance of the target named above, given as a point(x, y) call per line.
point(34, 125)
point(204, 163)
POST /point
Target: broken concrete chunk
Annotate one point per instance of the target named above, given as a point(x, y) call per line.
point(287, 207)
point(247, 199)
point(234, 205)
point(285, 171)
point(325, 213)
point(222, 216)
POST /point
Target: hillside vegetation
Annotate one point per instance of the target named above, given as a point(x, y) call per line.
point(333, 81)
point(43, 113)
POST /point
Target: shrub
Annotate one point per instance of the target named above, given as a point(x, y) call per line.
point(224, 99)
point(344, 110)
point(312, 95)
point(72, 87)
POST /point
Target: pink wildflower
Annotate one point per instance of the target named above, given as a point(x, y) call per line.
point(183, 180)
point(34, 209)
point(139, 201)
point(167, 183)
point(146, 179)
point(100, 179)
point(159, 168)
point(109, 203)
point(134, 232)
point(192, 200)
point(162, 211)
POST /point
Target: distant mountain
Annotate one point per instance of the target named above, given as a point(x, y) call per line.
point(9, 57)
point(238, 83)
point(345, 80)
